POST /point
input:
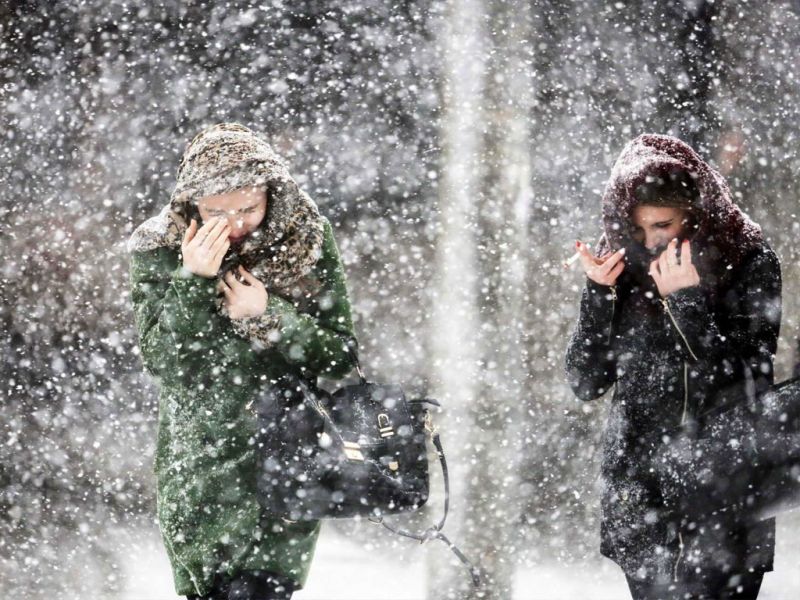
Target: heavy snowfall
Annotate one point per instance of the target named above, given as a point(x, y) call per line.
point(458, 149)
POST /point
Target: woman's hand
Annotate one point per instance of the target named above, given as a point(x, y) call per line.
point(672, 275)
point(244, 299)
point(603, 270)
point(203, 250)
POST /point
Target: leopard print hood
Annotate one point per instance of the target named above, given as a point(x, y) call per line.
point(223, 158)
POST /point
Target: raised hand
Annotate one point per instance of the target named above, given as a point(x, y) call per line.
point(671, 274)
point(204, 250)
point(604, 269)
point(244, 299)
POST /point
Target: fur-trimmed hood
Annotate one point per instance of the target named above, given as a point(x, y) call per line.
point(724, 234)
point(226, 157)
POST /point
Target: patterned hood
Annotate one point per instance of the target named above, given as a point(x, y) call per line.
point(226, 157)
point(724, 235)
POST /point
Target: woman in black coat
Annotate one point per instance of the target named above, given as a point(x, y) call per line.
point(680, 312)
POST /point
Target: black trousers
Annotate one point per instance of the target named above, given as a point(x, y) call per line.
point(250, 585)
point(743, 586)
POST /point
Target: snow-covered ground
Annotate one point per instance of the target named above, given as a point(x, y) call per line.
point(344, 570)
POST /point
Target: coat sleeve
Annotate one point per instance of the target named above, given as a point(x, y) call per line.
point(179, 328)
point(315, 341)
point(590, 363)
point(752, 322)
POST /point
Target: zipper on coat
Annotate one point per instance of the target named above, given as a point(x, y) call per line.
point(613, 306)
point(675, 323)
point(685, 391)
point(665, 303)
point(683, 420)
point(680, 556)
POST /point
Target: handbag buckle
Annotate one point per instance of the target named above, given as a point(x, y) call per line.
point(360, 372)
point(352, 450)
point(385, 426)
point(429, 426)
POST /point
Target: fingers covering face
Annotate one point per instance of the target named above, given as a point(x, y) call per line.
point(220, 242)
point(231, 281)
point(202, 232)
point(668, 260)
point(663, 262)
point(686, 253)
point(215, 230)
point(655, 271)
point(190, 232)
point(248, 276)
point(672, 254)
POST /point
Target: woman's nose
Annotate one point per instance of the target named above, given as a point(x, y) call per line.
point(652, 241)
point(236, 223)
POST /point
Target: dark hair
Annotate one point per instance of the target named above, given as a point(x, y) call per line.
point(675, 188)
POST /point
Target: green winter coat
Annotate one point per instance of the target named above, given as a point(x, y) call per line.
point(207, 373)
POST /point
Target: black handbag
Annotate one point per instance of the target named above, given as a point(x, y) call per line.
point(742, 458)
point(360, 451)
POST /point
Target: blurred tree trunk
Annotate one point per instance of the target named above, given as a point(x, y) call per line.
point(455, 325)
point(505, 249)
point(494, 204)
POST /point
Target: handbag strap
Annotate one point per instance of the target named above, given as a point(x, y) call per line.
point(351, 344)
point(435, 531)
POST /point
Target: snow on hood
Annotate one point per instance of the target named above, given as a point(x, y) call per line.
point(226, 157)
point(725, 234)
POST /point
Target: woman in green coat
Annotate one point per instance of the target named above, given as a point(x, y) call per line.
point(235, 282)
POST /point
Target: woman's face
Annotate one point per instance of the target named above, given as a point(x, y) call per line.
point(655, 226)
point(244, 209)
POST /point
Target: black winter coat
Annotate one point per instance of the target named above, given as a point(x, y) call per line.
point(668, 361)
